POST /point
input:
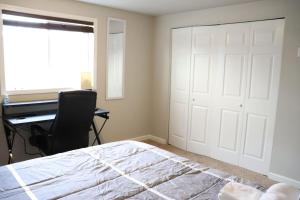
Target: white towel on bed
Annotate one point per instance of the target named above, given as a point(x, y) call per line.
point(237, 191)
point(281, 191)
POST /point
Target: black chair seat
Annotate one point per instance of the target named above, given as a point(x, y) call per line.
point(71, 126)
point(40, 141)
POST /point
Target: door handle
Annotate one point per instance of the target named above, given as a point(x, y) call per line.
point(241, 105)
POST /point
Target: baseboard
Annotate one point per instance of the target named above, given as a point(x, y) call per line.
point(151, 137)
point(284, 179)
point(141, 138)
point(158, 139)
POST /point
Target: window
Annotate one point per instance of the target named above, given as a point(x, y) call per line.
point(115, 58)
point(46, 53)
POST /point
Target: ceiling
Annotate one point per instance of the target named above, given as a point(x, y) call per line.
point(163, 7)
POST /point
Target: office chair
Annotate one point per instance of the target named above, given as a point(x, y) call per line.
point(71, 126)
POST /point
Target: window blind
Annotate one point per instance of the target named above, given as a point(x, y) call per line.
point(45, 22)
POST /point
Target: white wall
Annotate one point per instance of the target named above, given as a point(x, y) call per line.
point(286, 148)
point(129, 117)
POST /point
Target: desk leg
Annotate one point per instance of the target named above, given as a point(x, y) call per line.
point(10, 156)
point(10, 137)
point(96, 133)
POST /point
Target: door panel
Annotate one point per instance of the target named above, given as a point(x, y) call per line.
point(201, 75)
point(233, 75)
point(229, 93)
point(255, 134)
point(261, 74)
point(234, 38)
point(229, 130)
point(203, 64)
point(199, 124)
point(180, 86)
point(177, 118)
point(262, 93)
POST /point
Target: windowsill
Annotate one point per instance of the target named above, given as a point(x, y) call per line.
point(34, 95)
point(33, 92)
point(114, 98)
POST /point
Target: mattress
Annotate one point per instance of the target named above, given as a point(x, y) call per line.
point(119, 170)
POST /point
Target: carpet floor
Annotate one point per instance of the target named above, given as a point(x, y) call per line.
point(213, 163)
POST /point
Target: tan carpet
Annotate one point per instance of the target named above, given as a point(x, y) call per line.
point(213, 163)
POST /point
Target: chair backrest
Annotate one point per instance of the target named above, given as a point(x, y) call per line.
point(71, 126)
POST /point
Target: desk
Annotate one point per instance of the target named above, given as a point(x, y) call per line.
point(27, 113)
point(31, 119)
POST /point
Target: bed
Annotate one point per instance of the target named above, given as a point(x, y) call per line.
point(118, 170)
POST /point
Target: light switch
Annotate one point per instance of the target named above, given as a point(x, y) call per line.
point(298, 54)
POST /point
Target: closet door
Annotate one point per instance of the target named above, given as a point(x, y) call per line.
point(202, 76)
point(262, 92)
point(180, 84)
point(233, 47)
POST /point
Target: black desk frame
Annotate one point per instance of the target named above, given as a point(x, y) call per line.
point(11, 129)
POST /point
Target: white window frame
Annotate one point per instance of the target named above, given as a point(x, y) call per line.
point(52, 14)
point(124, 55)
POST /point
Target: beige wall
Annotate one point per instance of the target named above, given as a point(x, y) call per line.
point(129, 117)
point(286, 148)
point(145, 109)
